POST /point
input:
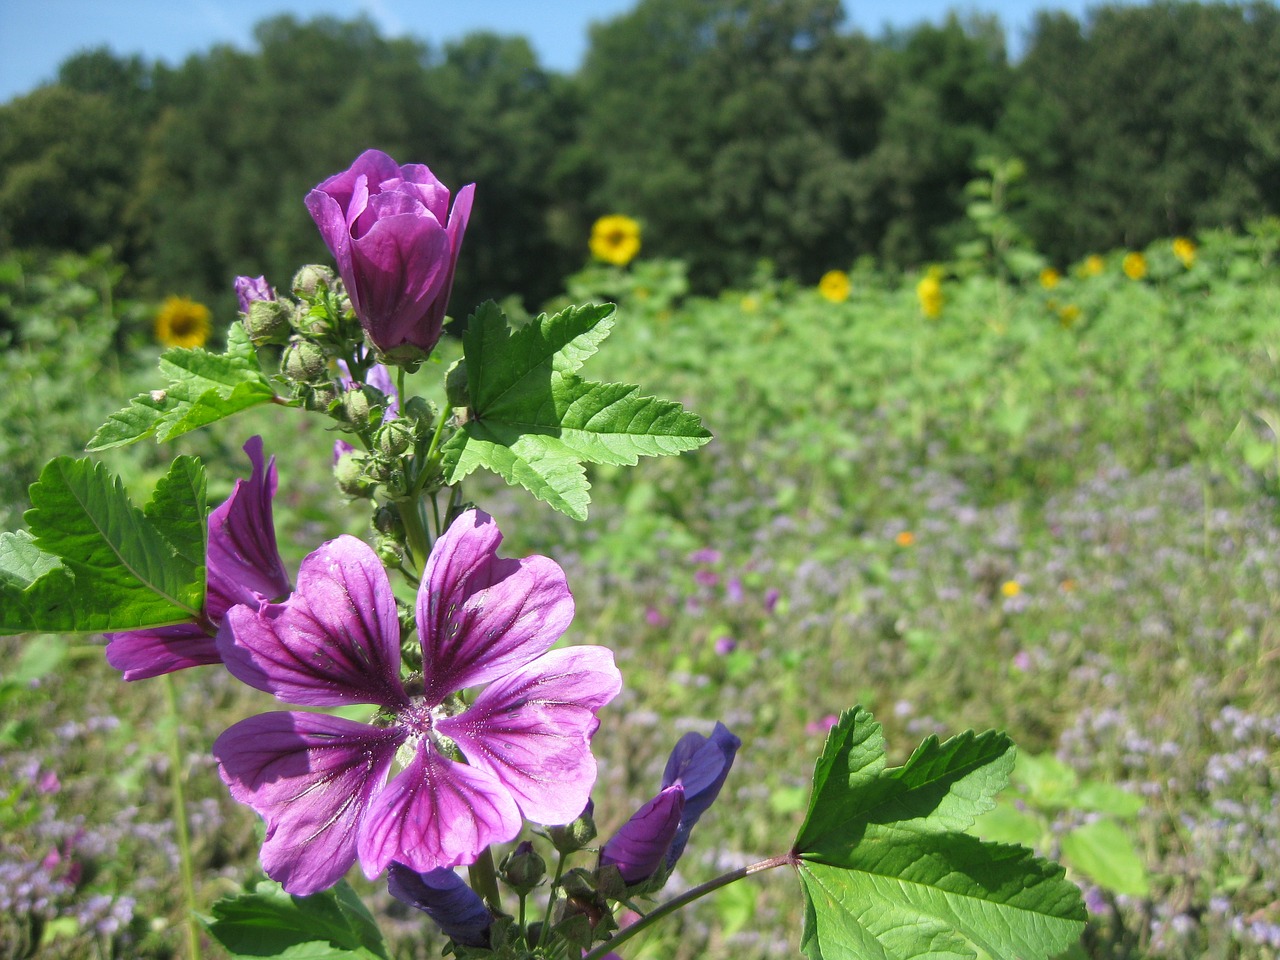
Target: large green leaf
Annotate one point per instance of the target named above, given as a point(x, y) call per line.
point(203, 387)
point(532, 421)
point(887, 872)
point(93, 561)
point(332, 925)
point(1104, 853)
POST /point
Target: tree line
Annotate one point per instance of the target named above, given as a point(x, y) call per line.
point(734, 130)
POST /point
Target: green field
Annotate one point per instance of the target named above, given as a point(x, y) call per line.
point(1048, 509)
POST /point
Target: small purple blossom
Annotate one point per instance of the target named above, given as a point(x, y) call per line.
point(396, 242)
point(655, 836)
point(725, 645)
point(243, 565)
point(249, 289)
point(320, 781)
point(443, 896)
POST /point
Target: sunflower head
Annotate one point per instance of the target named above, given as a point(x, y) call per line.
point(1134, 265)
point(1185, 250)
point(835, 286)
point(615, 239)
point(1050, 278)
point(182, 322)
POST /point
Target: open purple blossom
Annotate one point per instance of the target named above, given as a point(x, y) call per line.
point(249, 289)
point(396, 242)
point(469, 771)
point(443, 896)
point(242, 565)
point(653, 839)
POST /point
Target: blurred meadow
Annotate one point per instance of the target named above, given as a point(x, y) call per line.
point(963, 475)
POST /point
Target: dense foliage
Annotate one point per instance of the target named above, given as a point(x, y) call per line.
point(734, 131)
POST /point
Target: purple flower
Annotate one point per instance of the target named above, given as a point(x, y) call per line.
point(654, 838)
point(320, 782)
point(242, 565)
point(386, 226)
point(443, 896)
point(249, 289)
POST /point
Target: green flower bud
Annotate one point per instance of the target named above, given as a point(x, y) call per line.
point(356, 406)
point(422, 413)
point(387, 521)
point(269, 321)
point(304, 361)
point(573, 837)
point(393, 438)
point(523, 869)
point(311, 278)
point(350, 476)
point(316, 397)
point(389, 550)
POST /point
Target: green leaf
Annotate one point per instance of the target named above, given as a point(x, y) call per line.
point(534, 422)
point(1103, 852)
point(268, 922)
point(887, 872)
point(203, 387)
point(95, 562)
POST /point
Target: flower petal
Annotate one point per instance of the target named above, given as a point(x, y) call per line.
point(399, 268)
point(640, 845)
point(480, 617)
point(443, 896)
point(335, 641)
point(150, 653)
point(435, 813)
point(699, 764)
point(458, 219)
point(311, 777)
point(244, 564)
point(532, 730)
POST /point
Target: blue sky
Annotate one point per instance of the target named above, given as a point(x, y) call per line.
point(37, 35)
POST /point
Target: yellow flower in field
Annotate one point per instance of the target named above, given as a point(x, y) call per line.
point(1185, 250)
point(615, 239)
point(1068, 315)
point(750, 304)
point(1010, 588)
point(905, 539)
point(929, 293)
point(835, 286)
point(1092, 266)
point(1049, 278)
point(1134, 265)
point(182, 322)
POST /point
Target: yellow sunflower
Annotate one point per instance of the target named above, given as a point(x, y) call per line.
point(1134, 265)
point(615, 239)
point(929, 292)
point(835, 286)
point(182, 322)
point(1185, 250)
point(1049, 278)
point(1092, 266)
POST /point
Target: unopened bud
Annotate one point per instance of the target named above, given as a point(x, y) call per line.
point(389, 550)
point(523, 869)
point(422, 414)
point(303, 361)
point(311, 278)
point(348, 472)
point(393, 438)
point(269, 321)
point(387, 520)
point(572, 837)
point(356, 406)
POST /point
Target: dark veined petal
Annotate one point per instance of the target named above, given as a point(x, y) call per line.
point(458, 219)
point(435, 813)
point(311, 777)
point(443, 896)
point(335, 641)
point(481, 617)
point(532, 730)
point(150, 653)
point(640, 846)
point(399, 268)
point(244, 564)
point(699, 764)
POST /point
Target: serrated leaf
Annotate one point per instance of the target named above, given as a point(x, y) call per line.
point(887, 873)
point(533, 422)
point(103, 564)
point(203, 388)
point(331, 925)
point(1103, 852)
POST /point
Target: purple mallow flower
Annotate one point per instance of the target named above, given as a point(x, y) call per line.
point(396, 243)
point(242, 565)
point(468, 771)
point(249, 289)
point(443, 896)
point(654, 838)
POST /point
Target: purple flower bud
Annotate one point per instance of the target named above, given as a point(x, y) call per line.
point(249, 289)
point(396, 244)
point(443, 896)
point(640, 846)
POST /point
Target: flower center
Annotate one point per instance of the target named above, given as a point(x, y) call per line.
point(419, 721)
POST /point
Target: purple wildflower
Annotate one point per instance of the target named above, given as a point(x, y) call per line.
point(443, 896)
point(320, 782)
point(654, 838)
point(396, 243)
point(243, 565)
point(249, 289)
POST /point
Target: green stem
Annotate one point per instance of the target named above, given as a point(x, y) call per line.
point(180, 818)
point(415, 532)
point(551, 896)
point(484, 879)
point(686, 898)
